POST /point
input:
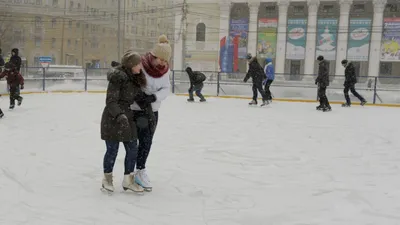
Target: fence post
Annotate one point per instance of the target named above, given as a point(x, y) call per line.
point(173, 81)
point(86, 79)
point(44, 79)
point(376, 81)
point(218, 84)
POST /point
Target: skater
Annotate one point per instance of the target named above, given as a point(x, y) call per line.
point(157, 72)
point(323, 82)
point(15, 59)
point(196, 84)
point(15, 81)
point(1, 61)
point(350, 83)
point(257, 74)
point(269, 71)
point(117, 125)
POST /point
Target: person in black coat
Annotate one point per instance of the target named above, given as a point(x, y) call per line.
point(117, 125)
point(256, 73)
point(323, 82)
point(350, 83)
point(15, 59)
point(196, 84)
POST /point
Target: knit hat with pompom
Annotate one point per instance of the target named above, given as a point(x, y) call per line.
point(163, 48)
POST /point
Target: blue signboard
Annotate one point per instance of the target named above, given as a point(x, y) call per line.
point(46, 59)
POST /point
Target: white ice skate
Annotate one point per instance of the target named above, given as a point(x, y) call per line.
point(143, 180)
point(129, 184)
point(107, 183)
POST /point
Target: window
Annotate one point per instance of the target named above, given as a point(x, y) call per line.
point(328, 9)
point(38, 22)
point(298, 9)
point(391, 8)
point(358, 8)
point(53, 22)
point(38, 41)
point(70, 24)
point(71, 5)
point(55, 3)
point(201, 32)
point(385, 69)
point(53, 43)
point(270, 9)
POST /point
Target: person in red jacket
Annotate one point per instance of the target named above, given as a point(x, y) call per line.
point(15, 81)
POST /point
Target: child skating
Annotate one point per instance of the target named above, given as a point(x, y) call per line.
point(196, 84)
point(15, 81)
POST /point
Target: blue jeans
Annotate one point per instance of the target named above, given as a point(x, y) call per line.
point(197, 89)
point(131, 149)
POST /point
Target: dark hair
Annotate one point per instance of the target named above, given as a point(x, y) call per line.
point(320, 58)
point(344, 61)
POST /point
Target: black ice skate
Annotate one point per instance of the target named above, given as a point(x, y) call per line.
point(326, 109)
point(265, 102)
point(363, 102)
point(190, 100)
point(319, 107)
point(20, 101)
point(253, 102)
point(11, 107)
point(1, 114)
point(346, 105)
point(202, 100)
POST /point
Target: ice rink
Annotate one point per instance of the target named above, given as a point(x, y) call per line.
point(215, 163)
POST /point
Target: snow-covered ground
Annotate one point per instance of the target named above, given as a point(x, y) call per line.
point(217, 163)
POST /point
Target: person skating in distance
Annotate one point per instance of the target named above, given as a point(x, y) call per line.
point(350, 83)
point(15, 81)
point(269, 71)
point(257, 74)
point(323, 82)
point(196, 84)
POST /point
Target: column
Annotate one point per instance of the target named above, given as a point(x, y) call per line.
point(178, 38)
point(341, 49)
point(252, 36)
point(281, 37)
point(376, 38)
point(311, 37)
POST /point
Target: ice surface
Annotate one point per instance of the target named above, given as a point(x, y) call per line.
point(217, 163)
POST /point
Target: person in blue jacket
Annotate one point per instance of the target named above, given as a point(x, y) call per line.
point(269, 71)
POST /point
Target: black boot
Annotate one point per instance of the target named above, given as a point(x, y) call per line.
point(20, 100)
point(346, 105)
point(1, 114)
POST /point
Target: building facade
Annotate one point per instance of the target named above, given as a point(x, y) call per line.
point(81, 32)
point(293, 33)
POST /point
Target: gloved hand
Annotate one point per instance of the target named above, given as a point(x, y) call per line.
point(22, 87)
point(123, 120)
point(150, 98)
point(244, 80)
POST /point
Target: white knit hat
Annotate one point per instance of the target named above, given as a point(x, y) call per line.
point(163, 48)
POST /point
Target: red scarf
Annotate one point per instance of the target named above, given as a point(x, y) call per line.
point(153, 71)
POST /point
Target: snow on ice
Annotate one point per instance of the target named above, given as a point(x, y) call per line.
point(217, 163)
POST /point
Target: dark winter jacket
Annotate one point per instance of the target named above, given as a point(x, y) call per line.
point(350, 75)
point(122, 90)
point(15, 59)
point(323, 74)
point(14, 78)
point(1, 61)
point(256, 72)
point(195, 77)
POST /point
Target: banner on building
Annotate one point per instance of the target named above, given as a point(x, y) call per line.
point(359, 39)
point(226, 55)
point(326, 38)
point(239, 29)
point(296, 39)
point(266, 37)
point(390, 50)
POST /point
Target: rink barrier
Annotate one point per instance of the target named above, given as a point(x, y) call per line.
point(208, 96)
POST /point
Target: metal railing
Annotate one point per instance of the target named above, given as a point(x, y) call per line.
point(375, 89)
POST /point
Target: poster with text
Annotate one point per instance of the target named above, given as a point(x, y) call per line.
point(239, 29)
point(327, 38)
point(359, 39)
point(266, 38)
point(390, 49)
point(296, 39)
